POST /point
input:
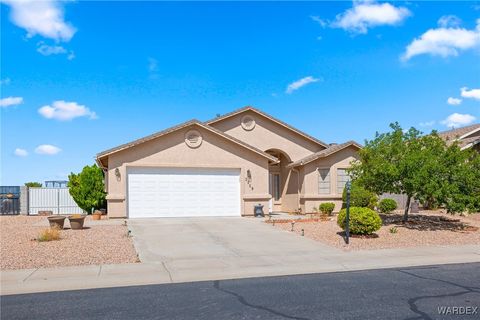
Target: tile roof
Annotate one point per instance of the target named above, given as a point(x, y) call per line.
point(453, 135)
point(324, 153)
point(127, 145)
point(266, 115)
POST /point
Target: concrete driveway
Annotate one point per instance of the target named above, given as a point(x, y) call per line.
point(238, 245)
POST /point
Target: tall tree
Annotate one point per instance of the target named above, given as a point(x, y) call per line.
point(87, 188)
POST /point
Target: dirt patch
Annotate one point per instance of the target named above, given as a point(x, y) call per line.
point(423, 229)
point(96, 244)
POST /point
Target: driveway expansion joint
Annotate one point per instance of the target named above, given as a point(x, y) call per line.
point(30, 274)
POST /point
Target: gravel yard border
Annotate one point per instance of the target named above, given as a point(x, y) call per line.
point(427, 228)
point(101, 242)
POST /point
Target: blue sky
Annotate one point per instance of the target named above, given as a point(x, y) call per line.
point(92, 75)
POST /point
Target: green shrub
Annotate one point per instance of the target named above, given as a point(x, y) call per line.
point(387, 205)
point(87, 188)
point(362, 220)
point(327, 208)
point(360, 197)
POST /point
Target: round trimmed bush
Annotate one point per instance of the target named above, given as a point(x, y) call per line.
point(327, 208)
point(387, 205)
point(362, 220)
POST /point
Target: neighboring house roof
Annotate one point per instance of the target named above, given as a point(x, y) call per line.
point(461, 135)
point(266, 115)
point(102, 155)
point(324, 153)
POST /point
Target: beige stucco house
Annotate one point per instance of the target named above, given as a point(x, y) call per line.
point(224, 167)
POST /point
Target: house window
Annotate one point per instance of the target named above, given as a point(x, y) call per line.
point(342, 178)
point(323, 181)
point(275, 186)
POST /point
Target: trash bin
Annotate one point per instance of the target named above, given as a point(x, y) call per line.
point(258, 210)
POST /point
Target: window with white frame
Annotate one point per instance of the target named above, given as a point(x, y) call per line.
point(323, 181)
point(342, 178)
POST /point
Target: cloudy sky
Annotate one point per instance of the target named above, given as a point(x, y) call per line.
point(80, 77)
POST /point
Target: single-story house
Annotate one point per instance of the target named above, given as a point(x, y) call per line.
point(466, 137)
point(224, 167)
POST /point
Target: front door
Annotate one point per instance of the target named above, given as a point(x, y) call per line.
point(275, 191)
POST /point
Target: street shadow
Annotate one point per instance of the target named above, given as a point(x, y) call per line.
point(427, 223)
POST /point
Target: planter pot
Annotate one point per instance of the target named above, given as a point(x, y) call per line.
point(97, 216)
point(76, 223)
point(56, 221)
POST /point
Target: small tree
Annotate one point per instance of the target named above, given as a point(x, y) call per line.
point(87, 188)
point(33, 184)
point(421, 167)
point(400, 162)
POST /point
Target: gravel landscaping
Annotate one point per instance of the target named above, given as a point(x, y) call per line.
point(423, 229)
point(101, 242)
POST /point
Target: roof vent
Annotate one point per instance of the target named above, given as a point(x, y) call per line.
point(332, 144)
point(248, 123)
point(193, 139)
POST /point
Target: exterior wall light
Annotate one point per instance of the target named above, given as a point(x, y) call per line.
point(117, 174)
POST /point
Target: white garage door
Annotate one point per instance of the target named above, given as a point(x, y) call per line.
point(181, 192)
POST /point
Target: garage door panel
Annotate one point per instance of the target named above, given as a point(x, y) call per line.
point(181, 192)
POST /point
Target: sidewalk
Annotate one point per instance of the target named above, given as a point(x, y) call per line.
point(201, 269)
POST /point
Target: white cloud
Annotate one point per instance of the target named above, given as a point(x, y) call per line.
point(10, 101)
point(64, 111)
point(300, 83)
point(19, 152)
point(323, 23)
point(427, 124)
point(47, 50)
point(5, 82)
point(449, 21)
point(454, 101)
point(45, 18)
point(368, 14)
point(458, 120)
point(473, 93)
point(47, 149)
point(444, 42)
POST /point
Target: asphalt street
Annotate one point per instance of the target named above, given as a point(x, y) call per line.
point(401, 293)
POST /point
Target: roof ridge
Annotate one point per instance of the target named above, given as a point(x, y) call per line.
point(268, 116)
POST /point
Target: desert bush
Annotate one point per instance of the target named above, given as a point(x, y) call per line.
point(327, 208)
point(360, 197)
point(49, 234)
point(87, 188)
point(362, 220)
point(387, 205)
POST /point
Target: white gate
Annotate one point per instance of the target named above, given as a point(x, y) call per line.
point(57, 200)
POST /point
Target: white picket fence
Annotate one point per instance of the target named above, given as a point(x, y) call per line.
point(57, 200)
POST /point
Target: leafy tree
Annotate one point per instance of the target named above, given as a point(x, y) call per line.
point(33, 184)
point(87, 188)
point(421, 167)
point(460, 190)
point(401, 162)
